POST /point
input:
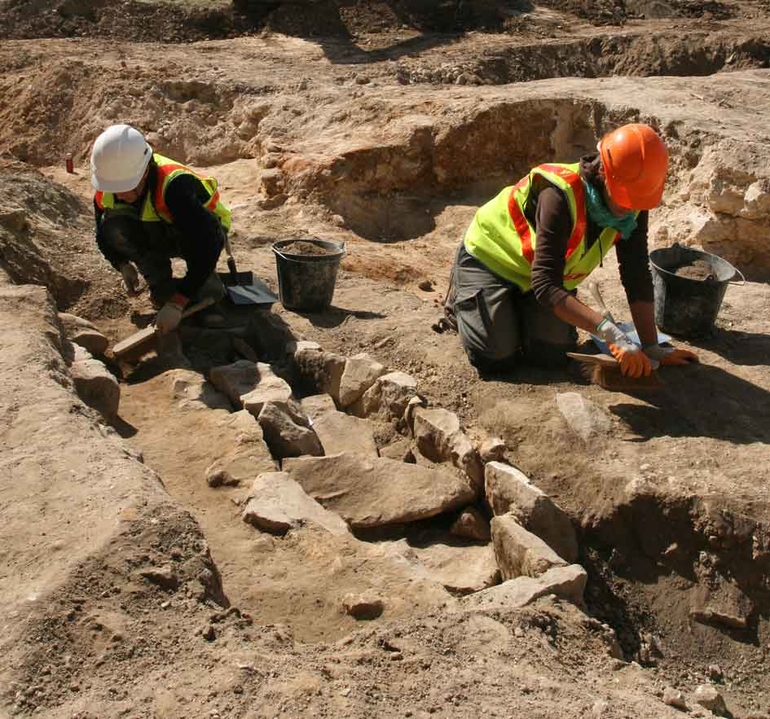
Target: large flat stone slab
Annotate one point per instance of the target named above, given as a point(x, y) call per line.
point(247, 458)
point(565, 582)
point(279, 504)
point(376, 491)
point(462, 569)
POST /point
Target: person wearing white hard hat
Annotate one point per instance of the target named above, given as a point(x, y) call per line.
point(149, 209)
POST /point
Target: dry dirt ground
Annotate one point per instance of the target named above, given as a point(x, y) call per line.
point(131, 588)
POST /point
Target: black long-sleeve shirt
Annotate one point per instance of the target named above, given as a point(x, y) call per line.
point(553, 224)
point(199, 232)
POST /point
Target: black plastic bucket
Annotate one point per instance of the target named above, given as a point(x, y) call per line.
point(688, 307)
point(306, 282)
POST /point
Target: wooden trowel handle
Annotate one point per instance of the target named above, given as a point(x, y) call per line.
point(198, 306)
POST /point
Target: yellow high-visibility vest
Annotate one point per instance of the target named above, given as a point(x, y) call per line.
point(154, 208)
point(501, 237)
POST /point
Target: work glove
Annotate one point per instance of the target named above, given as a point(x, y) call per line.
point(170, 315)
point(130, 278)
point(669, 356)
point(633, 361)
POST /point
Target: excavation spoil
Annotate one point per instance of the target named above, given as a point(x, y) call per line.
point(306, 248)
point(699, 270)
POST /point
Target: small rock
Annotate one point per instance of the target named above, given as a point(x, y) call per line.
point(709, 698)
point(493, 449)
point(599, 709)
point(209, 633)
point(363, 606)
point(426, 285)
point(715, 673)
point(472, 525)
point(674, 698)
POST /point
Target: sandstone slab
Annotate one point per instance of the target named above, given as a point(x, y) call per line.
point(340, 432)
point(317, 405)
point(320, 371)
point(565, 582)
point(519, 552)
point(248, 457)
point(387, 398)
point(279, 504)
point(376, 491)
point(194, 392)
point(359, 375)
point(284, 436)
point(94, 383)
point(509, 490)
point(440, 439)
point(461, 569)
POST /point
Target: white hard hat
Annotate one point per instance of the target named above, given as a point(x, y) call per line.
point(119, 159)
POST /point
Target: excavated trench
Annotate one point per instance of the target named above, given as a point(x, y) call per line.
point(680, 580)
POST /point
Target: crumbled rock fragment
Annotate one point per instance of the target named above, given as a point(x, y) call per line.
point(363, 606)
point(709, 698)
point(317, 405)
point(724, 604)
point(472, 525)
point(321, 371)
point(400, 450)
point(493, 449)
point(674, 698)
point(439, 438)
point(387, 397)
point(194, 392)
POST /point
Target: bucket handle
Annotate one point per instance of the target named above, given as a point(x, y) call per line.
point(743, 279)
point(298, 258)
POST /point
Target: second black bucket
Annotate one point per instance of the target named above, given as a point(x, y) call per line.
point(687, 307)
point(306, 281)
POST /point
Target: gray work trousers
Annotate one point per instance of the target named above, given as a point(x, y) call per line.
point(150, 246)
point(499, 324)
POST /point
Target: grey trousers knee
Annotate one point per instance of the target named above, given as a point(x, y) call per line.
point(499, 324)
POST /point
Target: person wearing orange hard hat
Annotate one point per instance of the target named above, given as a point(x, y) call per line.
point(513, 286)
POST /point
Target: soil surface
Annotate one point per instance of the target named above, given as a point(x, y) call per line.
point(699, 270)
point(132, 588)
point(306, 248)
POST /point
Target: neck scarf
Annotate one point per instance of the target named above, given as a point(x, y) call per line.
point(601, 215)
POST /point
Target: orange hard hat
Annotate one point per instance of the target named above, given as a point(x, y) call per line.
point(635, 161)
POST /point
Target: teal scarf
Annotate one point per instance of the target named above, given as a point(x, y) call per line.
point(601, 215)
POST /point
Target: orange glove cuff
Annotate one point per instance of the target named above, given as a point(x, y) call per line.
point(179, 300)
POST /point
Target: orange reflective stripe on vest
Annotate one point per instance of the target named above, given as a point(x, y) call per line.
point(154, 208)
point(501, 237)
